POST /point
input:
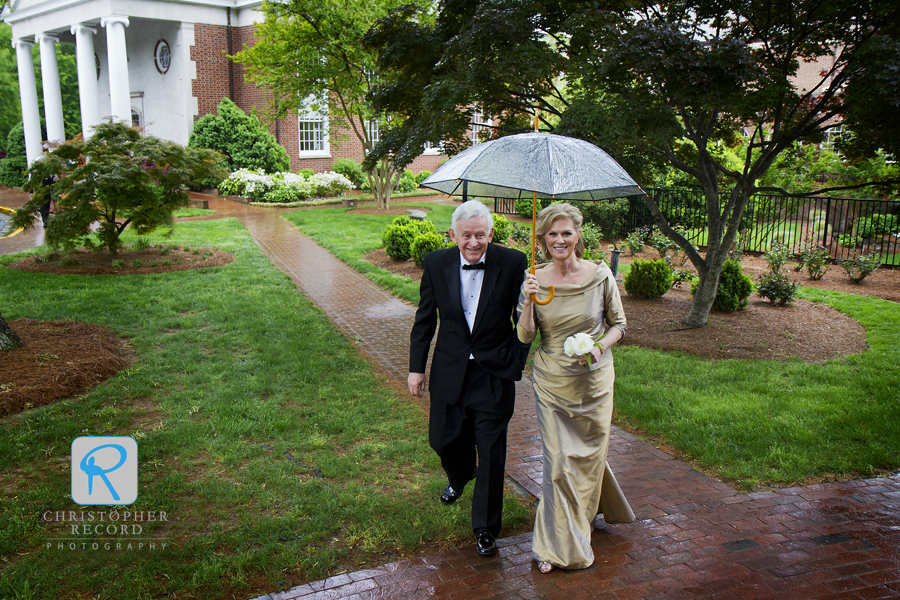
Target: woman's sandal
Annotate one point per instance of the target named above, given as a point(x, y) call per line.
point(545, 567)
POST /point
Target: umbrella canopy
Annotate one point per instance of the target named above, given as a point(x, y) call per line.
point(551, 166)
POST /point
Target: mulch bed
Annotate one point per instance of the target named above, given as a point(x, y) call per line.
point(60, 359)
point(151, 260)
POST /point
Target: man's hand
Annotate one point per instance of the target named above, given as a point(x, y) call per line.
point(416, 384)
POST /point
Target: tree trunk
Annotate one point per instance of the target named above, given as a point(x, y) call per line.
point(382, 180)
point(704, 298)
point(9, 340)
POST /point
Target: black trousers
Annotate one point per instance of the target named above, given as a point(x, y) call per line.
point(470, 439)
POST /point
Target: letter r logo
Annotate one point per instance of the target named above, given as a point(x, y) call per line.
point(104, 470)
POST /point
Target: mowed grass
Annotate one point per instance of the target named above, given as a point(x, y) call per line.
point(277, 452)
point(351, 236)
point(749, 422)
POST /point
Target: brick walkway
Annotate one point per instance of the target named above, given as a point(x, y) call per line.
point(695, 537)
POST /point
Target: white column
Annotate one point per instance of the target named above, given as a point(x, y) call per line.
point(119, 89)
point(31, 117)
point(53, 114)
point(88, 91)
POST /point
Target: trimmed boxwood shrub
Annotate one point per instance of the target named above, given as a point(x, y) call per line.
point(502, 229)
point(425, 243)
point(398, 237)
point(734, 288)
point(648, 278)
point(422, 176)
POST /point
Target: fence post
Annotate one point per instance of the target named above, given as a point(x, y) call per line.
point(825, 229)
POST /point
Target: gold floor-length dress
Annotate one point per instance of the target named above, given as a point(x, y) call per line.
point(574, 409)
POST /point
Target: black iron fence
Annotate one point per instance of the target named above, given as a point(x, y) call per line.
point(845, 227)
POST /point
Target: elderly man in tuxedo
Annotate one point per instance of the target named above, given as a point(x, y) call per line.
point(474, 288)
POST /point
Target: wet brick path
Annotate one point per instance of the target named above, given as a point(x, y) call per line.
point(695, 537)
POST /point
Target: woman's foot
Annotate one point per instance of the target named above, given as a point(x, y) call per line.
point(545, 567)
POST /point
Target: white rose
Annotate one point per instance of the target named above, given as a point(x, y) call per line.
point(569, 346)
point(583, 344)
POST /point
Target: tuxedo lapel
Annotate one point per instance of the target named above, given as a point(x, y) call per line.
point(491, 274)
point(451, 272)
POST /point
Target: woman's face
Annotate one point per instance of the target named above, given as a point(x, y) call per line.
point(561, 238)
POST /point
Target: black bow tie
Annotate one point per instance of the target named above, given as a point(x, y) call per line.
point(479, 265)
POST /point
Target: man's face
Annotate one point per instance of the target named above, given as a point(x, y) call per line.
point(472, 237)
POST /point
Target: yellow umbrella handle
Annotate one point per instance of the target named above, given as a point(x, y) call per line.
point(534, 297)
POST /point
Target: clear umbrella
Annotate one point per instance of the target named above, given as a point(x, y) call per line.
point(542, 164)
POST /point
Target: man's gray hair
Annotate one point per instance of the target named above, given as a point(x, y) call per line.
point(469, 209)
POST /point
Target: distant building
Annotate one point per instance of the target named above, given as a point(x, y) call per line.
point(160, 65)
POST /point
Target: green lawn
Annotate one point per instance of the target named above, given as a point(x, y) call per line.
point(276, 451)
point(753, 421)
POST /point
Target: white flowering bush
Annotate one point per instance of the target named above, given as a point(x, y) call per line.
point(283, 187)
point(329, 184)
point(253, 184)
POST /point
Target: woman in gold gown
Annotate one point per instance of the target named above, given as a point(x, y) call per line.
point(574, 400)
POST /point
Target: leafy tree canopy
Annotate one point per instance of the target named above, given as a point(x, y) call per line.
point(117, 178)
point(309, 53)
point(655, 84)
point(245, 143)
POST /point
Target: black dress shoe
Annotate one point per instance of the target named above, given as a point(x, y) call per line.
point(485, 544)
point(451, 494)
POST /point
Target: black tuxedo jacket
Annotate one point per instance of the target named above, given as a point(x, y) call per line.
point(493, 341)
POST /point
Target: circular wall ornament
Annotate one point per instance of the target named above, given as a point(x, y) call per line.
point(161, 56)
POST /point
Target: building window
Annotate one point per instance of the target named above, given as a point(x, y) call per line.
point(831, 136)
point(313, 136)
point(135, 118)
point(433, 149)
point(480, 122)
point(373, 131)
point(161, 56)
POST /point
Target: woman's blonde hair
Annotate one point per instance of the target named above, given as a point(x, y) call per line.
point(545, 221)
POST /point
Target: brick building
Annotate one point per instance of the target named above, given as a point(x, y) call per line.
point(161, 65)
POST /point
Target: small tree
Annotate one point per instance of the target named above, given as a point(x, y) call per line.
point(116, 178)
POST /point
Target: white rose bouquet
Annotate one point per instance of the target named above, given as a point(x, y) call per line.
point(581, 344)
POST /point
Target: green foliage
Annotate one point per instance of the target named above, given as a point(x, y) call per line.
point(777, 256)
point(14, 166)
point(503, 228)
point(422, 176)
point(241, 139)
point(635, 241)
point(592, 236)
point(734, 288)
point(523, 206)
point(350, 169)
point(607, 215)
point(307, 173)
point(117, 178)
point(425, 243)
point(812, 257)
point(659, 242)
point(407, 182)
point(778, 287)
point(648, 278)
point(398, 237)
point(861, 266)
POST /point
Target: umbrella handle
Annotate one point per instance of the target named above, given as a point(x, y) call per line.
point(534, 298)
point(534, 245)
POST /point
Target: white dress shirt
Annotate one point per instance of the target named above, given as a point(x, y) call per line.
point(470, 290)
